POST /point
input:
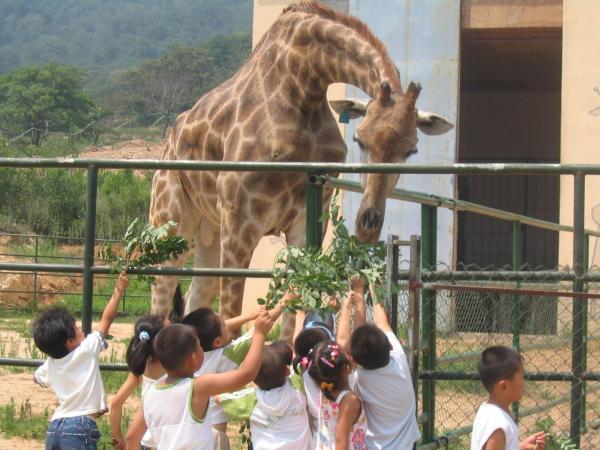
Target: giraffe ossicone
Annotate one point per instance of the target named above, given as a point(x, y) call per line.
point(275, 108)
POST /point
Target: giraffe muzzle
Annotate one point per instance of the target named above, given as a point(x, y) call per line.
point(371, 219)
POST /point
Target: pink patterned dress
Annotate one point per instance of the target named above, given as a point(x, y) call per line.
point(328, 417)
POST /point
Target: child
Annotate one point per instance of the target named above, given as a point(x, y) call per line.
point(285, 351)
point(175, 409)
point(221, 354)
point(277, 409)
point(73, 372)
point(304, 344)
point(501, 372)
point(342, 421)
point(311, 329)
point(383, 382)
point(144, 368)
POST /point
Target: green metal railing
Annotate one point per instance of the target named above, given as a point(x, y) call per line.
point(316, 179)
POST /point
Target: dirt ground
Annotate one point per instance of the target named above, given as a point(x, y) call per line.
point(22, 387)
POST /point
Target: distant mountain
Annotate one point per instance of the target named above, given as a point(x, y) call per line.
point(110, 33)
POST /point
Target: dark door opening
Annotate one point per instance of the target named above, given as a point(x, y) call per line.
point(510, 111)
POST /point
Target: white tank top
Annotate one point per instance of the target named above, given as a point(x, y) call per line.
point(170, 420)
point(147, 383)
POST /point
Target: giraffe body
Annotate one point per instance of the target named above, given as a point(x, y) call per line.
point(275, 109)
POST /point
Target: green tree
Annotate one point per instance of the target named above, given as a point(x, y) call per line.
point(162, 86)
point(40, 98)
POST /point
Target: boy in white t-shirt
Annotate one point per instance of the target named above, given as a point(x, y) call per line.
point(501, 372)
point(277, 408)
point(382, 379)
point(72, 371)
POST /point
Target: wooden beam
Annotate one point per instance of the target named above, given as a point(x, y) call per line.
point(511, 14)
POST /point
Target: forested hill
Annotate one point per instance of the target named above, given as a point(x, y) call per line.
point(110, 33)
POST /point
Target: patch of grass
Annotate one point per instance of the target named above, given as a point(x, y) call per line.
point(19, 421)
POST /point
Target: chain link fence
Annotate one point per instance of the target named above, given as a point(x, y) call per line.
point(535, 315)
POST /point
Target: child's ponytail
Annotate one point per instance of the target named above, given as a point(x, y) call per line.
point(329, 362)
point(308, 339)
point(140, 347)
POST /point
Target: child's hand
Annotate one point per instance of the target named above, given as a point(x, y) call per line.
point(122, 282)
point(253, 315)
point(118, 442)
point(334, 303)
point(536, 441)
point(263, 323)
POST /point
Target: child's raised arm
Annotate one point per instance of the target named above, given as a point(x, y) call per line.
point(235, 323)
point(111, 308)
point(209, 385)
point(380, 317)
point(116, 409)
point(344, 326)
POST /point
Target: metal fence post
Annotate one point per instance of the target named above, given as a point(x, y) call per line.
point(314, 211)
point(35, 274)
point(428, 262)
point(88, 252)
point(516, 300)
point(414, 281)
point(577, 346)
point(392, 249)
point(584, 352)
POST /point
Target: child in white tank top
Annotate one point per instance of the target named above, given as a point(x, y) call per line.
point(501, 372)
point(175, 409)
point(144, 369)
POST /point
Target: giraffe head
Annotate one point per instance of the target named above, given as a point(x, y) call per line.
point(387, 134)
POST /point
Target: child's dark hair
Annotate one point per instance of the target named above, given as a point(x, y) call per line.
point(51, 330)
point(370, 347)
point(498, 363)
point(305, 342)
point(285, 351)
point(173, 344)
point(140, 347)
point(330, 361)
point(207, 325)
point(272, 373)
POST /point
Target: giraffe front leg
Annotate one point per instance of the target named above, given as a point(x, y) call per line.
point(203, 290)
point(238, 241)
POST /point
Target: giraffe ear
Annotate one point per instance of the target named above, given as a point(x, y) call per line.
point(432, 124)
point(349, 109)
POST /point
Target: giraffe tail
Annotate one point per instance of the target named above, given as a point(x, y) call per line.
point(176, 313)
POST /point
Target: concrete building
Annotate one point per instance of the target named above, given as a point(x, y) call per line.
point(521, 81)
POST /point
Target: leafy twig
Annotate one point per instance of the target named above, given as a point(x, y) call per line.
point(316, 274)
point(145, 246)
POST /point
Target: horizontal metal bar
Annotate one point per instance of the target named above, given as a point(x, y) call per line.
point(533, 376)
point(306, 167)
point(197, 272)
point(456, 205)
point(503, 275)
point(20, 362)
point(501, 290)
point(449, 359)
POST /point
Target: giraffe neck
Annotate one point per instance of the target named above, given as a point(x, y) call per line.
point(318, 51)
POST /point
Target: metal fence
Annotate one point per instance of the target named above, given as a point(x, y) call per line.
point(552, 329)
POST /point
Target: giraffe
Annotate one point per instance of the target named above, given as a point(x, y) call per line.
point(275, 109)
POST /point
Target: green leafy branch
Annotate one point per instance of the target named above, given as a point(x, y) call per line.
point(316, 274)
point(145, 246)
